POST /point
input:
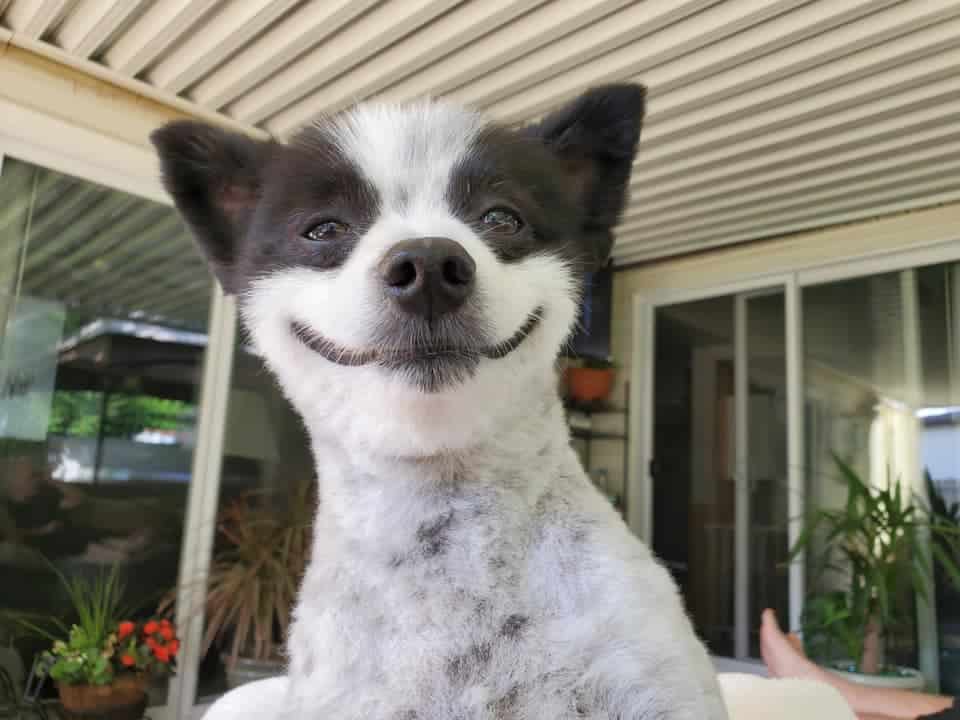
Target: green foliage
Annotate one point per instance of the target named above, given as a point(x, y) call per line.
point(94, 604)
point(99, 645)
point(830, 627)
point(883, 543)
point(595, 363)
point(76, 413)
point(128, 415)
point(83, 658)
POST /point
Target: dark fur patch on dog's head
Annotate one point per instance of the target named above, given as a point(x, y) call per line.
point(567, 175)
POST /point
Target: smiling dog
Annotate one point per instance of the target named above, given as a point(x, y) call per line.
point(410, 274)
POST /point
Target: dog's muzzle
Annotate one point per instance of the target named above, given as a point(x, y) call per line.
point(427, 277)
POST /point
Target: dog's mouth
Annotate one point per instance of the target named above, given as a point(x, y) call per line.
point(439, 353)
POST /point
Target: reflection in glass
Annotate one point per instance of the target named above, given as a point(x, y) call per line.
point(721, 365)
point(103, 311)
point(767, 540)
point(882, 391)
point(693, 487)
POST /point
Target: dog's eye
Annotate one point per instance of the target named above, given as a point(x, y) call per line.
point(502, 221)
point(325, 230)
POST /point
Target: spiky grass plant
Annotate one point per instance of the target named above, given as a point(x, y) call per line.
point(882, 542)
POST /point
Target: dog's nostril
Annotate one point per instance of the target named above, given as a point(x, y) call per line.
point(401, 274)
point(456, 271)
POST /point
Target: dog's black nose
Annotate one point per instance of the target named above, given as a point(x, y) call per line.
point(428, 276)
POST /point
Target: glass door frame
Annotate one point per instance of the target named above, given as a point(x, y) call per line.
point(943, 249)
point(49, 142)
point(645, 306)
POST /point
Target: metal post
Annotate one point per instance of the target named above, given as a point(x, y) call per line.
point(928, 640)
point(741, 395)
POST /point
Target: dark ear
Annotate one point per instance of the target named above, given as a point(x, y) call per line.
point(214, 177)
point(596, 138)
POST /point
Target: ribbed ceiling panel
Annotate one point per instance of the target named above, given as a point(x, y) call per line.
point(765, 117)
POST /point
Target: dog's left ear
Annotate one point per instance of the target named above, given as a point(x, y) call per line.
point(215, 178)
point(596, 138)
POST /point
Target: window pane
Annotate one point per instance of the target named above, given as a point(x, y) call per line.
point(103, 310)
point(265, 512)
point(768, 582)
point(882, 392)
point(938, 302)
point(693, 488)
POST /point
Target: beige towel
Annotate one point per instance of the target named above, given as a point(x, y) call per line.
point(750, 697)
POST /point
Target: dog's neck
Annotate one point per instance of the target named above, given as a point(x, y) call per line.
point(379, 502)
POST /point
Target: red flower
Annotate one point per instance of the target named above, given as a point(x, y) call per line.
point(161, 653)
point(174, 646)
point(127, 660)
point(151, 627)
point(166, 632)
point(125, 629)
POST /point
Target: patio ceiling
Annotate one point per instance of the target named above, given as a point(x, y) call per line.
point(766, 117)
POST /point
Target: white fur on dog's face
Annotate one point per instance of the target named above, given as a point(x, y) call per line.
point(358, 362)
point(408, 155)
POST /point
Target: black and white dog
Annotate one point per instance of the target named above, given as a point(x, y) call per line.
point(410, 273)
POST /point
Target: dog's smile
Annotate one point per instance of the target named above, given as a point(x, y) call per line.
point(420, 354)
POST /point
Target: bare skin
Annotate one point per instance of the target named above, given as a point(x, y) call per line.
point(784, 657)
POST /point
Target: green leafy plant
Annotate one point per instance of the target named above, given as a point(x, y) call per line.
point(82, 659)
point(881, 543)
point(830, 628)
point(101, 644)
point(595, 363)
point(95, 604)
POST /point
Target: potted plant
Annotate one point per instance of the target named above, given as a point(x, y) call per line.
point(591, 380)
point(253, 581)
point(104, 664)
point(878, 548)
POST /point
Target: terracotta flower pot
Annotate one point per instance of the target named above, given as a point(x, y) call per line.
point(124, 699)
point(589, 385)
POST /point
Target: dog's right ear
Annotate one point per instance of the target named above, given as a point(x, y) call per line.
point(214, 177)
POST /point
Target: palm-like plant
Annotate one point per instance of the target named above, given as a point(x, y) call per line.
point(883, 543)
point(255, 574)
point(253, 582)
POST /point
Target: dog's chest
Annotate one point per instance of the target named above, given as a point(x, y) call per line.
point(457, 622)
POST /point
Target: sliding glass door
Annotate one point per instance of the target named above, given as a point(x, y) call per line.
point(748, 393)
point(882, 392)
point(719, 460)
